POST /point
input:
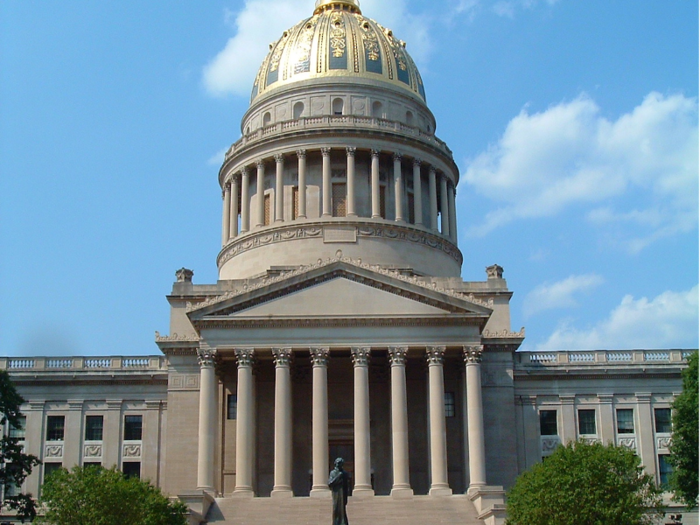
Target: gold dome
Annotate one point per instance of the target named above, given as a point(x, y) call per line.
point(338, 43)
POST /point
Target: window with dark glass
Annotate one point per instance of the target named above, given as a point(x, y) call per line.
point(93, 428)
point(50, 468)
point(55, 428)
point(665, 470)
point(132, 469)
point(11, 488)
point(662, 420)
point(586, 422)
point(449, 404)
point(548, 423)
point(625, 421)
point(231, 406)
point(18, 431)
point(92, 464)
point(133, 427)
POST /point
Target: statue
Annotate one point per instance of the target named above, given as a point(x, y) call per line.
point(339, 483)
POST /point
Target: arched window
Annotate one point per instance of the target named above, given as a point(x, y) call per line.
point(298, 110)
point(267, 119)
point(409, 118)
point(338, 106)
point(377, 109)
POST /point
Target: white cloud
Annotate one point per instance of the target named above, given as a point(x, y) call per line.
point(571, 155)
point(669, 320)
point(260, 22)
point(217, 158)
point(508, 8)
point(559, 294)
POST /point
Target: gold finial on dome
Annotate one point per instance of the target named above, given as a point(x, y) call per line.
point(323, 5)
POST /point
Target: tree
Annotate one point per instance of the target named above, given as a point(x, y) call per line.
point(99, 496)
point(585, 483)
point(684, 440)
point(15, 465)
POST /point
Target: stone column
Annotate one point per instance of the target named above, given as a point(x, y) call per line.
point(260, 204)
point(363, 477)
point(432, 186)
point(417, 193)
point(319, 423)
point(351, 181)
point(279, 188)
point(452, 210)
point(283, 423)
point(477, 454)
point(233, 229)
point(226, 215)
point(301, 155)
point(646, 448)
point(245, 433)
point(398, 188)
point(207, 419)
point(327, 189)
point(245, 200)
point(399, 422)
point(376, 205)
point(439, 485)
point(444, 207)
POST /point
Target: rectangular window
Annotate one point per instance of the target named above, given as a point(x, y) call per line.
point(665, 470)
point(548, 423)
point(50, 468)
point(411, 209)
point(625, 421)
point(295, 202)
point(17, 432)
point(586, 422)
point(132, 469)
point(662, 420)
point(11, 489)
point(133, 427)
point(92, 464)
point(232, 407)
point(267, 219)
point(339, 200)
point(55, 427)
point(449, 404)
point(382, 201)
point(93, 428)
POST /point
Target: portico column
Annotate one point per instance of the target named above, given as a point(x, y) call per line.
point(226, 215)
point(475, 417)
point(245, 200)
point(319, 423)
point(351, 181)
point(301, 155)
point(283, 423)
point(438, 440)
point(376, 205)
point(233, 229)
point(452, 211)
point(326, 182)
point(363, 478)
point(399, 422)
point(260, 204)
point(207, 418)
point(417, 193)
point(398, 188)
point(432, 188)
point(444, 207)
point(279, 188)
point(245, 433)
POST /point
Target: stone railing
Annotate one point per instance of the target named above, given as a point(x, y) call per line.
point(96, 363)
point(337, 121)
point(598, 357)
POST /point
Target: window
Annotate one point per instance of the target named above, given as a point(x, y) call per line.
point(339, 200)
point(665, 470)
point(232, 407)
point(50, 468)
point(267, 213)
point(548, 423)
point(449, 404)
point(662, 420)
point(409, 118)
point(411, 209)
point(132, 469)
point(338, 106)
point(11, 488)
point(382, 201)
point(625, 421)
point(93, 428)
point(55, 426)
point(133, 426)
point(92, 464)
point(295, 202)
point(586, 422)
point(377, 110)
point(298, 110)
point(17, 432)
point(267, 119)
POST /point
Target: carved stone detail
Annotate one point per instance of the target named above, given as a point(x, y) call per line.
point(206, 357)
point(184, 275)
point(435, 355)
point(53, 451)
point(397, 157)
point(174, 337)
point(325, 152)
point(279, 158)
point(504, 334)
point(627, 442)
point(375, 153)
point(360, 355)
point(494, 272)
point(92, 451)
point(350, 151)
point(319, 355)
point(663, 442)
point(301, 153)
point(131, 451)
point(417, 162)
point(398, 355)
point(245, 357)
point(283, 356)
point(473, 354)
point(549, 444)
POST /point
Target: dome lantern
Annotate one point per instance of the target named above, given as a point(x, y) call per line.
point(322, 5)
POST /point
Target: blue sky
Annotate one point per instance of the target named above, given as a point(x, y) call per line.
point(574, 124)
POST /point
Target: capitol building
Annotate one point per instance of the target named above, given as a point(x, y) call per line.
point(340, 326)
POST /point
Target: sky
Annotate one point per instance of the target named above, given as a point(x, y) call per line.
point(574, 125)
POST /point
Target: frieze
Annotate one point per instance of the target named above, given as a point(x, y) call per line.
point(663, 442)
point(92, 451)
point(504, 334)
point(53, 451)
point(184, 382)
point(131, 450)
point(176, 338)
point(627, 442)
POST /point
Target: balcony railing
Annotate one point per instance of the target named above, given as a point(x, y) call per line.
point(602, 357)
point(96, 363)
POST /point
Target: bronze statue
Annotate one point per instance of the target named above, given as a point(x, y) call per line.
point(339, 482)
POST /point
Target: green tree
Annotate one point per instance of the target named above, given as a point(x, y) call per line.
point(585, 483)
point(15, 465)
point(99, 496)
point(684, 440)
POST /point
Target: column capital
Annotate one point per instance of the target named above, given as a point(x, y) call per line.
point(326, 152)
point(473, 353)
point(397, 157)
point(432, 170)
point(435, 355)
point(283, 357)
point(417, 162)
point(350, 150)
point(260, 164)
point(244, 172)
point(319, 355)
point(279, 158)
point(235, 177)
point(206, 357)
point(360, 355)
point(245, 357)
point(397, 355)
point(301, 153)
point(376, 153)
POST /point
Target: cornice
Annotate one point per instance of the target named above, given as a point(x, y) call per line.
point(605, 373)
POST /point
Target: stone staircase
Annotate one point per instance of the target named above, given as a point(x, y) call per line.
point(416, 510)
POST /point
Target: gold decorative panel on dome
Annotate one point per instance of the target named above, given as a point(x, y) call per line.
point(338, 44)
